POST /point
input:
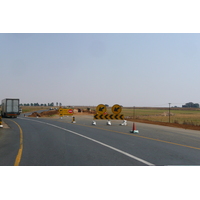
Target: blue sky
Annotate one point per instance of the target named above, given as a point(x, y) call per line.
point(130, 69)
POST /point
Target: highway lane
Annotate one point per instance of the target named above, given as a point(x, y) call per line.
point(9, 144)
point(58, 142)
point(156, 144)
point(46, 145)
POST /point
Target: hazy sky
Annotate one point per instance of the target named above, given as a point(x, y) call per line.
point(89, 69)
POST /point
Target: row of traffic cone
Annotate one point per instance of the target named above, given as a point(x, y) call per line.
point(134, 130)
point(108, 123)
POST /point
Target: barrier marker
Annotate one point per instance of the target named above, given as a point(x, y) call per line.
point(73, 120)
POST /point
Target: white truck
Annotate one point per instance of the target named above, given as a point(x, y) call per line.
point(10, 107)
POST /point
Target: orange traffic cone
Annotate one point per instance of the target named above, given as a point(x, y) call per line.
point(134, 129)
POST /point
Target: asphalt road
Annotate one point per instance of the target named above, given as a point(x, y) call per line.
point(58, 142)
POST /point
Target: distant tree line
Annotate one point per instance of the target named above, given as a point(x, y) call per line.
point(37, 104)
point(191, 105)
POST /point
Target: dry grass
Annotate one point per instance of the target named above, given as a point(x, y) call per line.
point(179, 117)
point(26, 109)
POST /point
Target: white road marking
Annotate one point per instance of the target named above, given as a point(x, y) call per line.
point(101, 143)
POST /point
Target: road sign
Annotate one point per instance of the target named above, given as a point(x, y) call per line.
point(101, 116)
point(66, 111)
point(101, 112)
point(100, 109)
point(116, 109)
point(118, 116)
point(96, 116)
point(70, 111)
point(121, 117)
point(109, 116)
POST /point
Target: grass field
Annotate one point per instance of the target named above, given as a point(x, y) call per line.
point(26, 109)
point(177, 115)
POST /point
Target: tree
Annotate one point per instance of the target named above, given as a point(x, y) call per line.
point(51, 104)
point(191, 105)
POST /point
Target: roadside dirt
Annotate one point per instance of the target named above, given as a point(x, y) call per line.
point(44, 113)
point(52, 113)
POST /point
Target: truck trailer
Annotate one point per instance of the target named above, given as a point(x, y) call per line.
point(10, 107)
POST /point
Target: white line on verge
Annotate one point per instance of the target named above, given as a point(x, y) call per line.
point(101, 143)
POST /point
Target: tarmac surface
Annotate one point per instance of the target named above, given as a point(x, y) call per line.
point(57, 141)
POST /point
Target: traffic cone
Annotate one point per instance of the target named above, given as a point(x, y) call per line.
point(134, 129)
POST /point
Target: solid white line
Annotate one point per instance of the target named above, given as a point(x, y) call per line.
point(101, 143)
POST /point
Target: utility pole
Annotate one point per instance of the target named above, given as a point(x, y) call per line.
point(133, 112)
point(169, 112)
